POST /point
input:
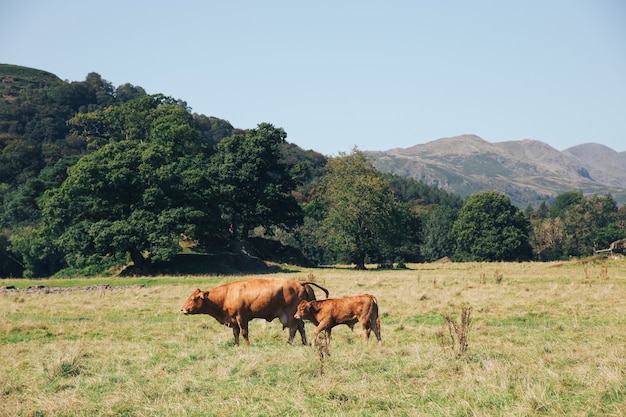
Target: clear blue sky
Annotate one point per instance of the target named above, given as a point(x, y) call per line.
point(338, 74)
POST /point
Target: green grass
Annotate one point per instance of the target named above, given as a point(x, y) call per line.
point(548, 340)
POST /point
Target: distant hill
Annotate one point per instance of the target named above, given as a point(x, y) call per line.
point(528, 171)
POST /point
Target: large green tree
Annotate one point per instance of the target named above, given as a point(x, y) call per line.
point(590, 223)
point(490, 228)
point(143, 190)
point(255, 188)
point(547, 239)
point(358, 215)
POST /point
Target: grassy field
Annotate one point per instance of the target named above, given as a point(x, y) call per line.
point(544, 340)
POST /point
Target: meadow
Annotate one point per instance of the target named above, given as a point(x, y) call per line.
point(542, 339)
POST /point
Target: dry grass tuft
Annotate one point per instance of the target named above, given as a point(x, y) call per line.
point(497, 276)
point(459, 331)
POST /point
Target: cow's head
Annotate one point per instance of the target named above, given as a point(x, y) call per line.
point(195, 302)
point(304, 310)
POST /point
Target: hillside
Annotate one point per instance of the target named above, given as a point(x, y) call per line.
point(528, 171)
point(15, 77)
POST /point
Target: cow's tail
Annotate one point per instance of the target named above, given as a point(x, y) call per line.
point(318, 286)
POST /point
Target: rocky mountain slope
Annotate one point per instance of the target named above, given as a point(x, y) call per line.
point(528, 171)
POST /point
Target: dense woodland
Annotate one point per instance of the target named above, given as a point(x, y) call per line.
point(96, 178)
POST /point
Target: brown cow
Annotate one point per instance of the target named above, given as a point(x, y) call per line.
point(326, 314)
point(236, 303)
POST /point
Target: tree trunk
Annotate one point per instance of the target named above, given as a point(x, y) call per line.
point(360, 262)
point(138, 260)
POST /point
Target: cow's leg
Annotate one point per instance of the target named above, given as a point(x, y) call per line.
point(289, 323)
point(292, 333)
point(244, 333)
point(376, 327)
point(294, 325)
point(367, 329)
point(242, 326)
point(328, 336)
point(236, 334)
point(302, 332)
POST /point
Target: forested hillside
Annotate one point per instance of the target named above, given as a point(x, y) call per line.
point(99, 179)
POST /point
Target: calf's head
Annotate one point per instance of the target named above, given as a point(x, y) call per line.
point(305, 310)
point(195, 302)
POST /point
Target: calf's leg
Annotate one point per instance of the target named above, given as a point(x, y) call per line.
point(323, 325)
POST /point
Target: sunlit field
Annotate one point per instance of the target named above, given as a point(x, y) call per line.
point(544, 339)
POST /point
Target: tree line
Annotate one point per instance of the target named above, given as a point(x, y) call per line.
point(131, 178)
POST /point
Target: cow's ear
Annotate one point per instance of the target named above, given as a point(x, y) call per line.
point(205, 295)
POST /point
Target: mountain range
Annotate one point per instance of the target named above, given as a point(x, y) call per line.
point(528, 171)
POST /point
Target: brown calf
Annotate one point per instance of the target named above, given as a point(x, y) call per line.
point(326, 314)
